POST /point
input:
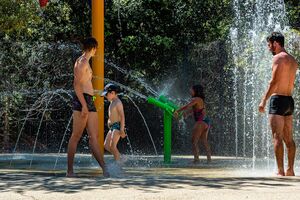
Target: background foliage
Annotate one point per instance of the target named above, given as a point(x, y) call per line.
point(160, 41)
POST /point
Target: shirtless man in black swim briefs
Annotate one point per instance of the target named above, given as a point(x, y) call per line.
point(84, 110)
point(280, 89)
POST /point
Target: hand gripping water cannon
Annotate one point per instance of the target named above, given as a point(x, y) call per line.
point(169, 108)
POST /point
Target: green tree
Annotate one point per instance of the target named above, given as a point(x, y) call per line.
point(24, 20)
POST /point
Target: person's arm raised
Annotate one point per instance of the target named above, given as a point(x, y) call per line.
point(189, 105)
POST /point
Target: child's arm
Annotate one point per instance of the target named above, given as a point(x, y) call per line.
point(120, 110)
point(187, 113)
point(189, 105)
point(108, 123)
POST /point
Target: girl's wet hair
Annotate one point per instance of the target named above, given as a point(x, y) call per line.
point(198, 91)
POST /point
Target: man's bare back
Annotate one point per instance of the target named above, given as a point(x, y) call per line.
point(285, 67)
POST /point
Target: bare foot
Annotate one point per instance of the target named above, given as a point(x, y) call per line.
point(208, 159)
point(70, 174)
point(106, 174)
point(196, 161)
point(280, 174)
point(122, 160)
point(290, 173)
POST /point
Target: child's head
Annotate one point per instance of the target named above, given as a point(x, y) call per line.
point(110, 91)
point(197, 91)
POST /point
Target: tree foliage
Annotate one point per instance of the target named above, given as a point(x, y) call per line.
point(157, 40)
point(150, 35)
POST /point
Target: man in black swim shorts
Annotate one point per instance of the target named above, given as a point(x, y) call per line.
point(84, 112)
point(281, 86)
point(89, 99)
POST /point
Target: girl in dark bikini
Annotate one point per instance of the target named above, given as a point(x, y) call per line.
point(202, 124)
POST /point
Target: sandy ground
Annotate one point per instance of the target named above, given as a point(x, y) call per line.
point(168, 183)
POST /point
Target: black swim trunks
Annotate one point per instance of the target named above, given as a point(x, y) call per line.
point(89, 101)
point(281, 105)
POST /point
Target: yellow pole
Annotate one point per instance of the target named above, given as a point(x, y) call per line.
point(98, 63)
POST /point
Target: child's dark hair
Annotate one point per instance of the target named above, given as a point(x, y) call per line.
point(276, 36)
point(89, 43)
point(199, 91)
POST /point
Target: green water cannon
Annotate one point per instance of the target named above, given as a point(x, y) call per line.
point(169, 108)
point(168, 102)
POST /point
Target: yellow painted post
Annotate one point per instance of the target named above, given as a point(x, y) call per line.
point(98, 63)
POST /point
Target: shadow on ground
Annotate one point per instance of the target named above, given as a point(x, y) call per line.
point(148, 180)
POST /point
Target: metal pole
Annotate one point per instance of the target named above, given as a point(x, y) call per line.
point(167, 136)
point(98, 63)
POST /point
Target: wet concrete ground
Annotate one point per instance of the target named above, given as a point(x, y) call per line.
point(146, 178)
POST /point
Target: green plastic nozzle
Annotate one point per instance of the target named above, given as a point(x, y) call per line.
point(161, 105)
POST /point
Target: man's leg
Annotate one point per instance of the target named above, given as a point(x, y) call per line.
point(115, 137)
point(79, 124)
point(290, 144)
point(93, 131)
point(277, 125)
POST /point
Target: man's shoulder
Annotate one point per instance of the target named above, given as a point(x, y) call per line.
point(281, 57)
point(81, 62)
point(284, 59)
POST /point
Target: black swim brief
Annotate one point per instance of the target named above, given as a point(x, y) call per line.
point(281, 105)
point(89, 102)
point(115, 126)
